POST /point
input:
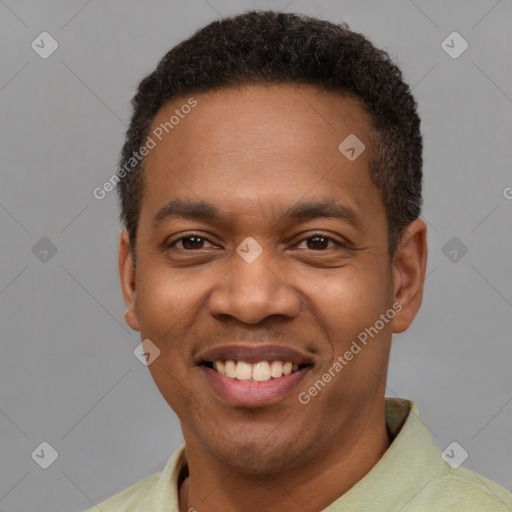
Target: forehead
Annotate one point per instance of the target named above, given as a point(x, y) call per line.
point(255, 146)
point(276, 116)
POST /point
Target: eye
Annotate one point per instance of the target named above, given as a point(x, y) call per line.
point(319, 242)
point(190, 242)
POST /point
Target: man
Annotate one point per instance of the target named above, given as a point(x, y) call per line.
point(270, 189)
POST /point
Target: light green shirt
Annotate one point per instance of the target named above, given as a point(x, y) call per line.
point(410, 476)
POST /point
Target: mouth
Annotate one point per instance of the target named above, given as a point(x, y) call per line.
point(254, 376)
point(261, 371)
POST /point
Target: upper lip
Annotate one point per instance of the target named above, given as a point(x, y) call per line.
point(254, 354)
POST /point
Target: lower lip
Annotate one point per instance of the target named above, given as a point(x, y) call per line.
point(251, 393)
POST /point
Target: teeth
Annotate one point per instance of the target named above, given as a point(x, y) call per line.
point(219, 366)
point(260, 372)
point(276, 369)
point(243, 371)
point(230, 369)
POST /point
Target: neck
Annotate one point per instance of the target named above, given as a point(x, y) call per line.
point(314, 485)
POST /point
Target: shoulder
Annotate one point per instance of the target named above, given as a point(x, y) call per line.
point(157, 492)
point(466, 491)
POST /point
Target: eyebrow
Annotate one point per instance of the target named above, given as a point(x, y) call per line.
point(304, 211)
point(195, 210)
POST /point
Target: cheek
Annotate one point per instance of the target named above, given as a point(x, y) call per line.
point(171, 381)
point(167, 309)
point(165, 302)
point(357, 333)
point(347, 302)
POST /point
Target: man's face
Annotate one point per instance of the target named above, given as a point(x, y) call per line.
point(269, 277)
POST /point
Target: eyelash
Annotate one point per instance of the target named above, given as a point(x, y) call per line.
point(198, 235)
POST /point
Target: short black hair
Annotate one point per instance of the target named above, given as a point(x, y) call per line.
point(265, 47)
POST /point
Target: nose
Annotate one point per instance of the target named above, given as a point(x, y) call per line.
point(253, 291)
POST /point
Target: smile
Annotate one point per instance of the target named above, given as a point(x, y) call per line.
point(261, 371)
point(253, 375)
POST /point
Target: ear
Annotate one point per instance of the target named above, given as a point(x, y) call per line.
point(409, 265)
point(127, 277)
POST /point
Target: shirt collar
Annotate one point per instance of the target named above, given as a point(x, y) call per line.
point(408, 465)
point(412, 460)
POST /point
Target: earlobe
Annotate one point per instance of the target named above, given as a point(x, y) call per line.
point(409, 265)
point(127, 278)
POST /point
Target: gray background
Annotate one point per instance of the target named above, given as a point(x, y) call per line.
point(68, 373)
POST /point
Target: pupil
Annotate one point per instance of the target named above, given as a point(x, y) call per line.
point(196, 241)
point(318, 242)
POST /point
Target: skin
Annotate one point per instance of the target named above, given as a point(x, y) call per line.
point(252, 152)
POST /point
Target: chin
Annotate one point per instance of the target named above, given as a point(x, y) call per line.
point(259, 456)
